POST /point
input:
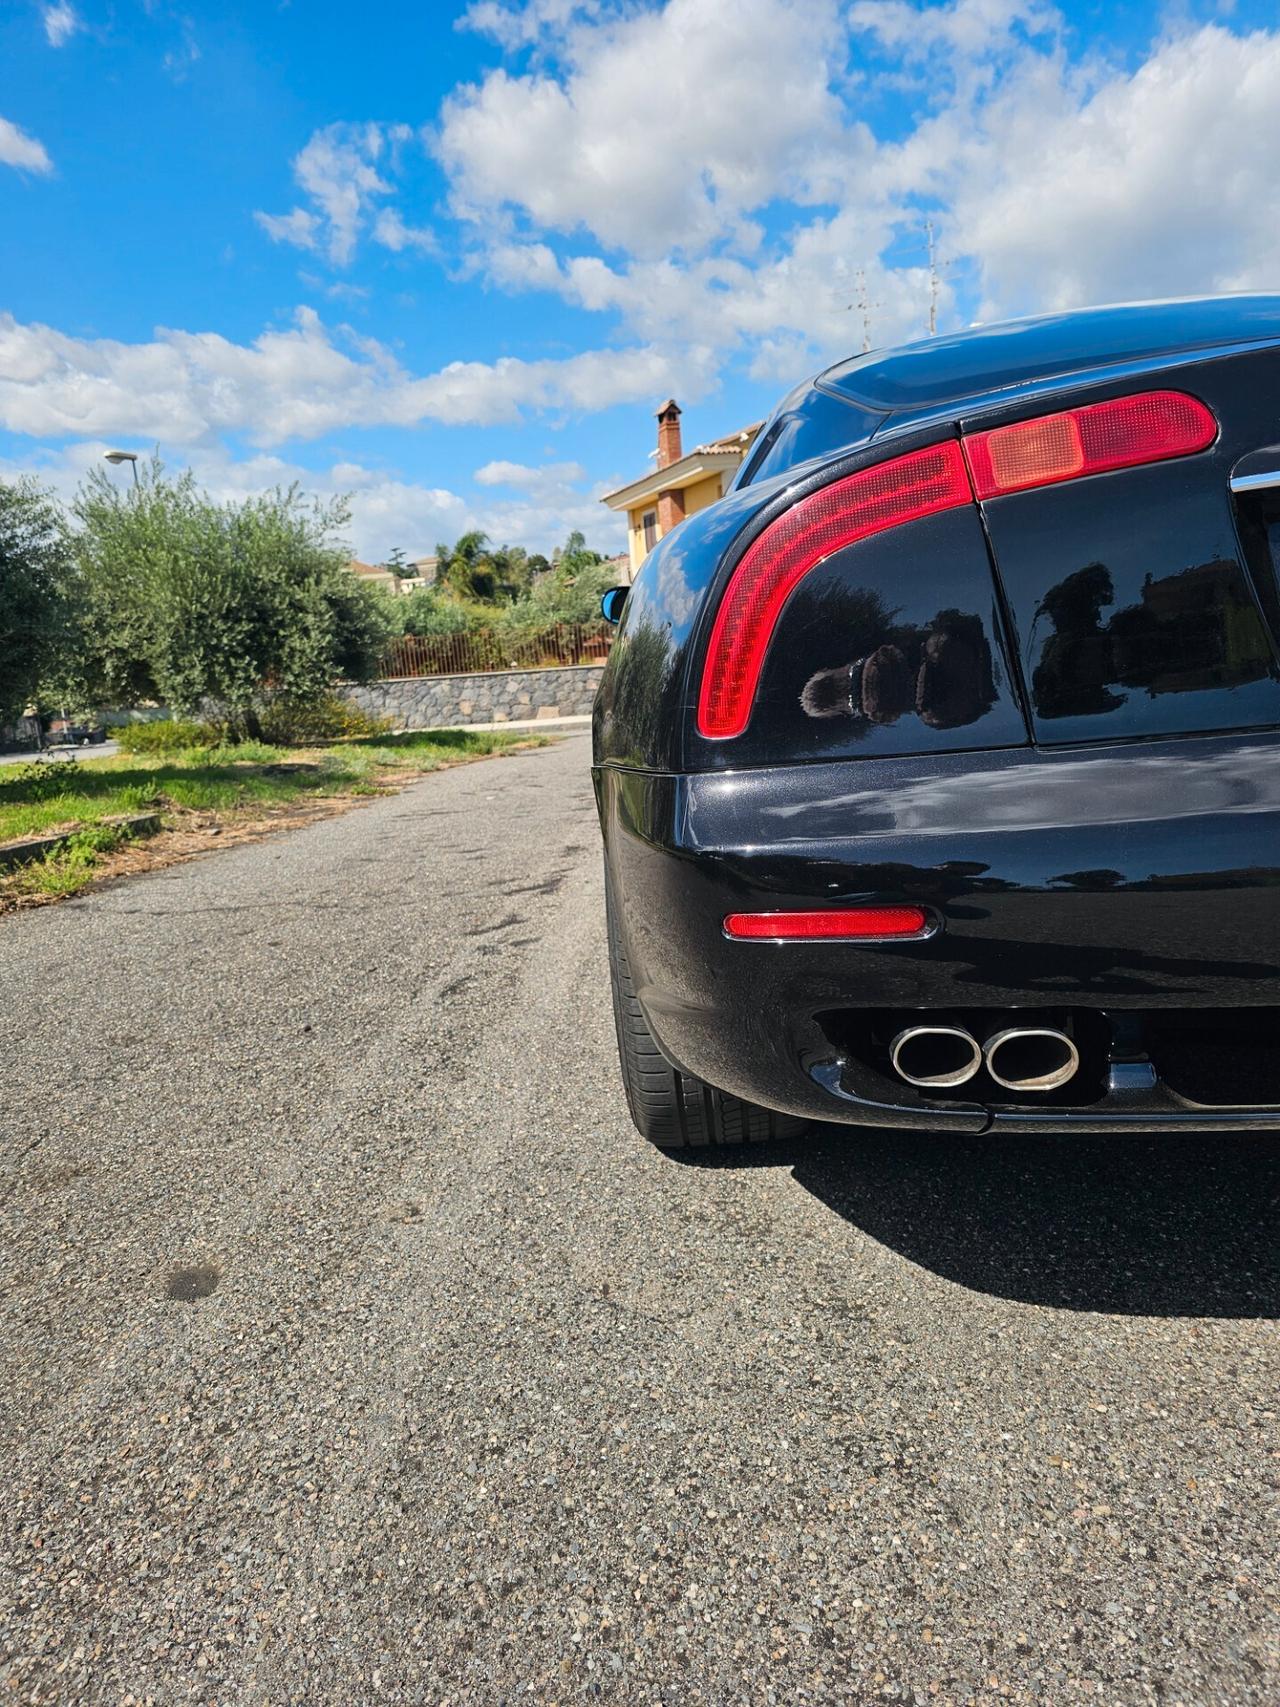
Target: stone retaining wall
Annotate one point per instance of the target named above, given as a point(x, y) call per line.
point(497, 696)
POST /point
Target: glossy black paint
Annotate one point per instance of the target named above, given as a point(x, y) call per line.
point(1143, 876)
point(1058, 349)
point(1133, 608)
point(1021, 728)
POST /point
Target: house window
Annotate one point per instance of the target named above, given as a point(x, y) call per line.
point(650, 524)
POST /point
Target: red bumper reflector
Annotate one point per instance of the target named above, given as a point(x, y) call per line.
point(849, 924)
point(1118, 434)
point(902, 490)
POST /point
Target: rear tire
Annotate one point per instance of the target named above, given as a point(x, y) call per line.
point(671, 1109)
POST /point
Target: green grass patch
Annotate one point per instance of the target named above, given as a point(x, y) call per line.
point(227, 782)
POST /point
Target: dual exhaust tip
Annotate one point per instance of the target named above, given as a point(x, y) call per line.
point(1028, 1058)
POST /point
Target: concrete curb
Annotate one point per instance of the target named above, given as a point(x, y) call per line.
point(520, 723)
point(33, 848)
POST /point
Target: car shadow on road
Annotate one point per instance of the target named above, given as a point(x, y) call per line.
point(1183, 1226)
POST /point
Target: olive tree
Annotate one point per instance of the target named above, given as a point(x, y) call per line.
point(225, 607)
point(36, 602)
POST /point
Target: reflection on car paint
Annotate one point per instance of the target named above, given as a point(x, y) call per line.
point(941, 672)
point(1188, 632)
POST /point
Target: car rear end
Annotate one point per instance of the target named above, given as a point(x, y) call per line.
point(940, 776)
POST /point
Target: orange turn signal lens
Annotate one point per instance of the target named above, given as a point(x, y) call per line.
point(1121, 433)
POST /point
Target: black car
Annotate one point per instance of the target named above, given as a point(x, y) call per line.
point(939, 762)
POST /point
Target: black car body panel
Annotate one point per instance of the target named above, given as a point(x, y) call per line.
point(1048, 351)
point(1086, 800)
point(1147, 620)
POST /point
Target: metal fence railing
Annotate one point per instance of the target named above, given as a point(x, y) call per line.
point(563, 644)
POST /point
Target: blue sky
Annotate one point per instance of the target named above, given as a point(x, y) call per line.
point(450, 260)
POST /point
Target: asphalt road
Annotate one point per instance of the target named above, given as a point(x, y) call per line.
point(353, 1349)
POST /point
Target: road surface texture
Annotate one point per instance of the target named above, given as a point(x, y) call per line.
point(353, 1349)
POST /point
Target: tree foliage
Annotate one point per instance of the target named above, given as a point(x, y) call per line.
point(507, 590)
point(223, 606)
point(430, 613)
point(36, 596)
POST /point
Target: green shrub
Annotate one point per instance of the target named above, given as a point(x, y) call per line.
point(166, 736)
point(431, 614)
point(305, 723)
point(27, 784)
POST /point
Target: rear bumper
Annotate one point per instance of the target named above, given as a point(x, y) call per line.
point(1132, 879)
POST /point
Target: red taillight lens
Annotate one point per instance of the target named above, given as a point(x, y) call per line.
point(1102, 436)
point(908, 487)
point(850, 924)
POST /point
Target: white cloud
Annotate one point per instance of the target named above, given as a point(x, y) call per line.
point(387, 509)
point(19, 149)
point(549, 477)
point(965, 30)
point(1131, 185)
point(60, 23)
point(340, 290)
point(297, 226)
point(184, 387)
point(791, 306)
point(659, 136)
point(1051, 182)
point(344, 170)
point(390, 230)
point(338, 170)
point(515, 27)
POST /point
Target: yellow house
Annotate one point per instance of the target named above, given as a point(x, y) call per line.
point(678, 484)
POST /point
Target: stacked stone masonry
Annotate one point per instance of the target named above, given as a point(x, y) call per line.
point(500, 696)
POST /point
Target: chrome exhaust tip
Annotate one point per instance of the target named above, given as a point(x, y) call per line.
point(1031, 1058)
point(935, 1057)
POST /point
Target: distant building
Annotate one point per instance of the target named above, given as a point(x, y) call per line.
point(679, 484)
point(427, 573)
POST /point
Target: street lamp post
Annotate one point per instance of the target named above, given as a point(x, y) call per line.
point(129, 456)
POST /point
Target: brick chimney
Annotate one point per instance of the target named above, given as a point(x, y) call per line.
point(669, 450)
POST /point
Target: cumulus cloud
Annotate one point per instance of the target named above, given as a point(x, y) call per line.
point(19, 149)
point(297, 383)
point(387, 509)
point(656, 136)
point(515, 27)
point(548, 477)
point(60, 23)
point(1051, 182)
point(344, 171)
point(390, 229)
point(1128, 185)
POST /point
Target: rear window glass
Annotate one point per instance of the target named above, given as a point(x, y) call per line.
point(814, 425)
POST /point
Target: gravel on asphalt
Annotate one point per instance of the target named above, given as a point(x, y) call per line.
point(354, 1349)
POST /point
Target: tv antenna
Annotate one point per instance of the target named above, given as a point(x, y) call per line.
point(935, 278)
point(864, 305)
